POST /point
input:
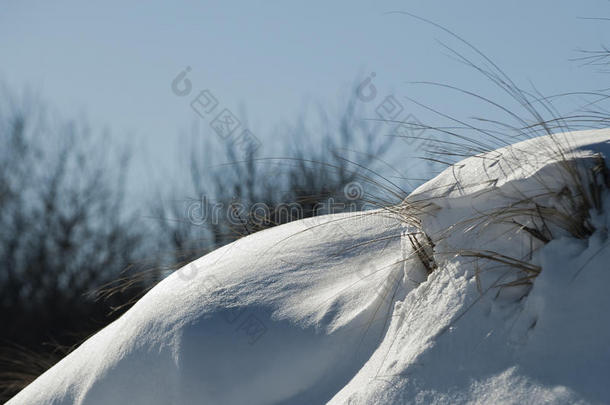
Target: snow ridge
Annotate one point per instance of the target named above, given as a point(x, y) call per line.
point(415, 304)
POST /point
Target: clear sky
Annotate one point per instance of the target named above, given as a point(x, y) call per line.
point(114, 61)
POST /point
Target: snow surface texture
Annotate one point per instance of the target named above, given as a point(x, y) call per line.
point(342, 308)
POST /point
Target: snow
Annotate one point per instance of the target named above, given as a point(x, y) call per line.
point(339, 309)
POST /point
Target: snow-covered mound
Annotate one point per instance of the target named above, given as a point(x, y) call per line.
point(487, 285)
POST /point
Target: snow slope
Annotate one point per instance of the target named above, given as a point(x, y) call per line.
point(340, 308)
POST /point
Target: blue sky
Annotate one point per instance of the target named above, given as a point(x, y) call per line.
point(113, 62)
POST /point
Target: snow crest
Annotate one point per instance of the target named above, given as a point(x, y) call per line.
point(378, 308)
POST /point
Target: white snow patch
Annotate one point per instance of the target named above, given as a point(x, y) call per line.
point(338, 309)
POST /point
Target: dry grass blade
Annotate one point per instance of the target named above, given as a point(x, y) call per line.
point(424, 250)
point(500, 258)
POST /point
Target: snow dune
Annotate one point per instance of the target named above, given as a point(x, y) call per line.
point(341, 309)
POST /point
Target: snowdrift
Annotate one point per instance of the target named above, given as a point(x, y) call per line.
point(488, 284)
